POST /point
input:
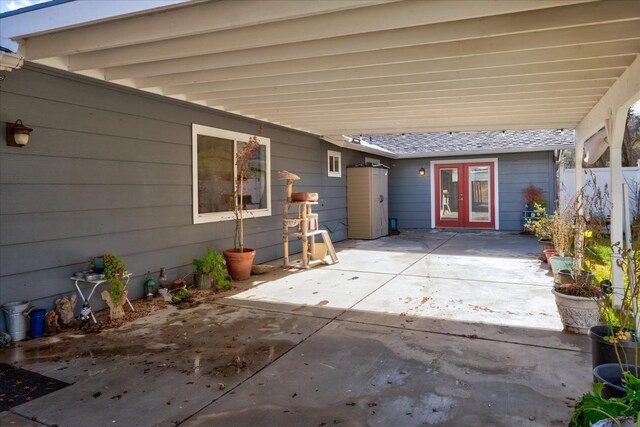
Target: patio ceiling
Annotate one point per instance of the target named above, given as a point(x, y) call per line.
point(365, 66)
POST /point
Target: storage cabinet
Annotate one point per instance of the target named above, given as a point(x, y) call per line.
point(367, 205)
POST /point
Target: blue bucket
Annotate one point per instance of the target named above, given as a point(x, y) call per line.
point(37, 322)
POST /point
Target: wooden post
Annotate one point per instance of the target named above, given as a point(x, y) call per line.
point(285, 236)
point(289, 189)
point(305, 243)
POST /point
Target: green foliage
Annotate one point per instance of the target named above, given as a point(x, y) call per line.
point(599, 254)
point(181, 295)
point(213, 266)
point(592, 407)
point(114, 270)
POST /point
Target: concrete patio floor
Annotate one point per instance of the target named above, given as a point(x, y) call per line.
point(424, 328)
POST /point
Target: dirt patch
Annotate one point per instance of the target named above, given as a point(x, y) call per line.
point(201, 339)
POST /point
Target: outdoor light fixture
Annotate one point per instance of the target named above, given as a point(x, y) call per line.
point(17, 134)
point(422, 172)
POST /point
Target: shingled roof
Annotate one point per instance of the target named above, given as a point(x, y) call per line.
point(458, 143)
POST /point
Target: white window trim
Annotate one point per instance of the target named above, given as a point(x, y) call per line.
point(338, 173)
point(196, 130)
point(432, 184)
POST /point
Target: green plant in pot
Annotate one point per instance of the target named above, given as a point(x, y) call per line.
point(615, 341)
point(615, 400)
point(211, 271)
point(115, 273)
point(542, 229)
point(561, 227)
point(240, 258)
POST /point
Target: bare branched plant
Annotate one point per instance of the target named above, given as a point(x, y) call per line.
point(244, 155)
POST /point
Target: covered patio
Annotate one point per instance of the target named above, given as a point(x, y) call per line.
point(422, 328)
point(455, 327)
point(335, 68)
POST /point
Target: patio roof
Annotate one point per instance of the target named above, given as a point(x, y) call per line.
point(363, 66)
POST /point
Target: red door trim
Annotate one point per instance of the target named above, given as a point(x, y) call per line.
point(463, 195)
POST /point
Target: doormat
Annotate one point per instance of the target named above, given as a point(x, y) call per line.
point(18, 386)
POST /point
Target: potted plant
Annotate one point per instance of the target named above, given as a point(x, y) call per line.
point(114, 273)
point(239, 258)
point(616, 340)
point(542, 229)
point(577, 297)
point(614, 344)
point(562, 235)
point(211, 271)
point(532, 194)
point(596, 409)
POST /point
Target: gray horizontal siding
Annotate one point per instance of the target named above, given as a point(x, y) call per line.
point(108, 169)
point(410, 194)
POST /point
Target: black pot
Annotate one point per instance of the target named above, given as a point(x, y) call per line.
point(610, 374)
point(602, 352)
point(583, 277)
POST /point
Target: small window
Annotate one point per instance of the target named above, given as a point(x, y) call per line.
point(371, 161)
point(214, 152)
point(334, 158)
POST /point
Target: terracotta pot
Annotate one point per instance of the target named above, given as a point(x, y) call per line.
point(544, 245)
point(239, 263)
point(548, 253)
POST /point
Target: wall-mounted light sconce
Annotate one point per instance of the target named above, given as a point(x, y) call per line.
point(17, 134)
point(422, 172)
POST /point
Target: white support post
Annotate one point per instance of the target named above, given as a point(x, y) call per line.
point(615, 132)
point(579, 160)
point(560, 180)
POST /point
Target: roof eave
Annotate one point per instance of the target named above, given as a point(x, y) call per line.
point(483, 152)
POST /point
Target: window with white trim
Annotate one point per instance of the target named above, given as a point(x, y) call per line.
point(214, 171)
point(334, 159)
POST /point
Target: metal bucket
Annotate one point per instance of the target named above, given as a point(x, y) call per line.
point(15, 319)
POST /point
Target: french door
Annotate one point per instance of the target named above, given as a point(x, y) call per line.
point(465, 195)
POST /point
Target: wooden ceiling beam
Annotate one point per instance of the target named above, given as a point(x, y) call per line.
point(413, 50)
point(278, 88)
point(334, 68)
point(190, 20)
point(404, 24)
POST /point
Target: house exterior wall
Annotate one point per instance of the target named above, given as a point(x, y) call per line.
point(108, 170)
point(410, 194)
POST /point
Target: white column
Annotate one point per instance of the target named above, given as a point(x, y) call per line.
point(615, 132)
point(579, 159)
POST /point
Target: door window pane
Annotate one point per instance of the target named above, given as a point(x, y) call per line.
point(449, 194)
point(480, 194)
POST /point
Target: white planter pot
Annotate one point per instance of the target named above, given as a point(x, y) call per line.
point(577, 314)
